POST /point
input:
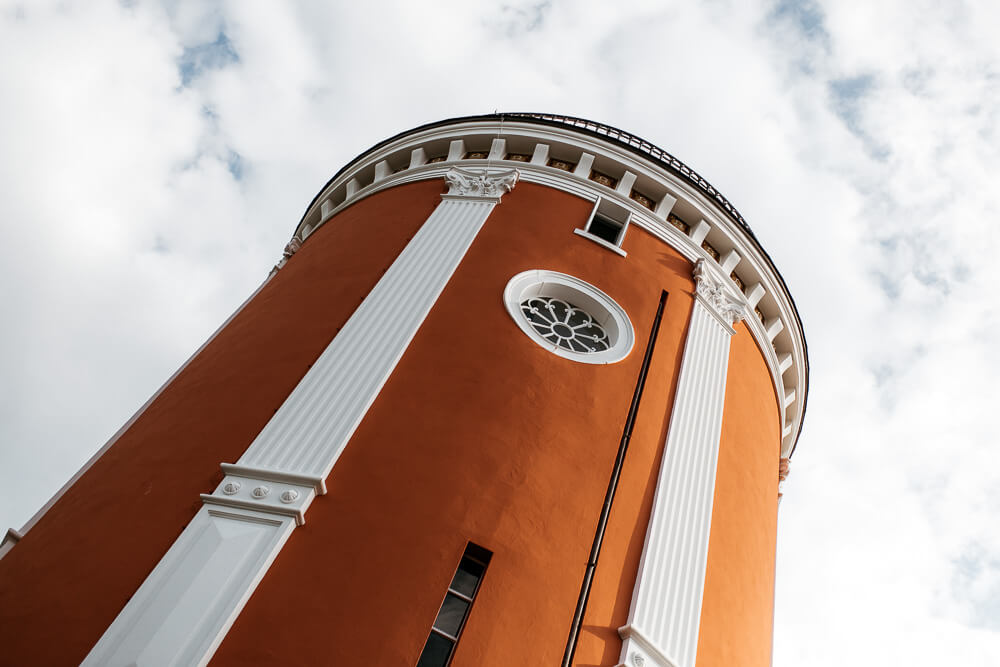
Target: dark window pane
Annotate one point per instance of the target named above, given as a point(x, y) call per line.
point(479, 553)
point(604, 228)
point(469, 572)
point(452, 614)
point(436, 652)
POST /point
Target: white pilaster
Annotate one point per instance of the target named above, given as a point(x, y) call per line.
point(662, 629)
point(183, 610)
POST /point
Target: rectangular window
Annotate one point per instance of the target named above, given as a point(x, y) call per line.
point(607, 225)
point(605, 228)
point(455, 608)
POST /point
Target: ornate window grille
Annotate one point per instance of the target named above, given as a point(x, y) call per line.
point(565, 325)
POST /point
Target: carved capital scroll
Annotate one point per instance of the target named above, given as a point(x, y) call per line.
point(715, 295)
point(480, 184)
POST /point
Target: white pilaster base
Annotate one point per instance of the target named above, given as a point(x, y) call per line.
point(187, 604)
point(638, 651)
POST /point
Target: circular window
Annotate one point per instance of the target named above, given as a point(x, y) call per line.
point(569, 317)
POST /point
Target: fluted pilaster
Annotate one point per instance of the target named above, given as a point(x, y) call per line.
point(662, 630)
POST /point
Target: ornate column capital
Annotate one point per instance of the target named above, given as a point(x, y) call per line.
point(715, 296)
point(291, 248)
point(480, 185)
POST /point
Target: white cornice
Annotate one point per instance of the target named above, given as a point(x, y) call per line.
point(781, 339)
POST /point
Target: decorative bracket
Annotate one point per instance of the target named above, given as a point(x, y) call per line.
point(291, 248)
point(716, 297)
point(480, 185)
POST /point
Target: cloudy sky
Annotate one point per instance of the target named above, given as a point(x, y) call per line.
point(155, 158)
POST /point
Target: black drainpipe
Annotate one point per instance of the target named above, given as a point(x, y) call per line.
point(609, 496)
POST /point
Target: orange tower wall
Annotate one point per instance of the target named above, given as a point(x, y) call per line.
point(479, 434)
point(67, 579)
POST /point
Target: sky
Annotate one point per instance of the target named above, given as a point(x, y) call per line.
point(155, 158)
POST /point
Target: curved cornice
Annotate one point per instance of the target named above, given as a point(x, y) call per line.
point(650, 183)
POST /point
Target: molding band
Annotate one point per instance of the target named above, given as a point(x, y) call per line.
point(315, 481)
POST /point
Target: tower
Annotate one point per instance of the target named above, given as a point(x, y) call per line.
point(519, 392)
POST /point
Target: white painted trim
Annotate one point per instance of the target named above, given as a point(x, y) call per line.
point(665, 206)
point(498, 149)
point(613, 211)
point(353, 186)
point(11, 537)
point(730, 261)
point(599, 305)
point(456, 150)
point(699, 232)
point(263, 494)
point(382, 170)
point(540, 156)
point(625, 184)
point(601, 242)
point(127, 425)
point(418, 157)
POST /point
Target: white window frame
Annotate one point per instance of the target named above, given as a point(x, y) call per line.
point(614, 212)
point(599, 305)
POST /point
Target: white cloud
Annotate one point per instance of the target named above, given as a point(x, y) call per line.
point(156, 158)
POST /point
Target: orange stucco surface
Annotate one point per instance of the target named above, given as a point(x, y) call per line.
point(479, 435)
point(67, 579)
point(737, 608)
